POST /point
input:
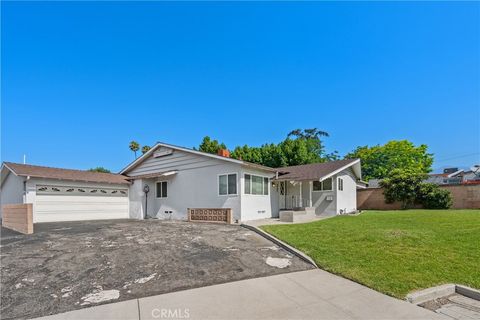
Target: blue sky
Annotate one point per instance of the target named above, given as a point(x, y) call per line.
point(82, 79)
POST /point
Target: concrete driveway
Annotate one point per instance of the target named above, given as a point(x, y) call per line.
point(67, 266)
point(313, 294)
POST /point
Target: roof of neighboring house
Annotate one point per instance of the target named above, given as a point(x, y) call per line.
point(139, 160)
point(28, 170)
point(438, 174)
point(317, 171)
point(471, 181)
point(374, 183)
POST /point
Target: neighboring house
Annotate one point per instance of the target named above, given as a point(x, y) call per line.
point(177, 179)
point(374, 183)
point(454, 176)
point(449, 176)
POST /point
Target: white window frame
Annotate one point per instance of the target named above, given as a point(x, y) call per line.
point(251, 184)
point(340, 184)
point(156, 189)
point(218, 184)
point(321, 183)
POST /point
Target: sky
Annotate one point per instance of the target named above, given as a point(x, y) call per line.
point(80, 80)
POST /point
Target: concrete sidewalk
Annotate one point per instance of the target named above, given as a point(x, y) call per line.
point(313, 294)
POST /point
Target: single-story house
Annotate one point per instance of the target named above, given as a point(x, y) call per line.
point(177, 179)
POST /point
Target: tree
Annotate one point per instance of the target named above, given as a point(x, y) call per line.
point(145, 149)
point(99, 169)
point(311, 140)
point(378, 161)
point(299, 147)
point(313, 133)
point(211, 146)
point(134, 146)
point(402, 185)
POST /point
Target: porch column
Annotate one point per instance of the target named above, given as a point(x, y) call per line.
point(300, 204)
point(310, 184)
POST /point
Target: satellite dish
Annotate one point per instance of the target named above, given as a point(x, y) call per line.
point(476, 169)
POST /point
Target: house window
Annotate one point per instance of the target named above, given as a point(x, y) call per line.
point(161, 189)
point(227, 184)
point(325, 185)
point(248, 184)
point(282, 188)
point(256, 185)
point(340, 184)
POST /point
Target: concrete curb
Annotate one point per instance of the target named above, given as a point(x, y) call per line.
point(282, 244)
point(422, 296)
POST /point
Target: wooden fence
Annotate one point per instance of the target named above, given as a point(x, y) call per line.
point(18, 217)
point(464, 197)
point(219, 215)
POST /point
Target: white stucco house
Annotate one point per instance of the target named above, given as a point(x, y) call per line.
point(178, 179)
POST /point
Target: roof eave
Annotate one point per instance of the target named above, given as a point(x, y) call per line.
point(356, 170)
point(4, 165)
point(66, 179)
point(258, 166)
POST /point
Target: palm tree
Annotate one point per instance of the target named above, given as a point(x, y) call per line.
point(134, 146)
point(145, 149)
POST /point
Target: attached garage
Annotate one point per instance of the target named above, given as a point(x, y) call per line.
point(71, 203)
point(64, 194)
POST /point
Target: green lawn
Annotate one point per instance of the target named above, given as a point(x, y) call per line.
point(394, 252)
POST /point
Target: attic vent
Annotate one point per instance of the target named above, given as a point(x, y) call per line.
point(162, 152)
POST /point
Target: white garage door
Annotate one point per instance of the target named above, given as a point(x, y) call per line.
point(71, 203)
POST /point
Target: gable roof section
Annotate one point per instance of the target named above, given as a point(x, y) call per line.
point(27, 170)
point(145, 156)
point(318, 171)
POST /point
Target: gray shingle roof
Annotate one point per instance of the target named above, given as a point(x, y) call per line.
point(313, 171)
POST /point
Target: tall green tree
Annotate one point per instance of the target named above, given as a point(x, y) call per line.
point(378, 161)
point(299, 147)
point(134, 146)
point(211, 146)
point(100, 169)
point(145, 149)
point(308, 142)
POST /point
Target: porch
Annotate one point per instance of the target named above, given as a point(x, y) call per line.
point(305, 200)
point(295, 195)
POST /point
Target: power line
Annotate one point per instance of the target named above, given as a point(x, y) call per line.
point(459, 157)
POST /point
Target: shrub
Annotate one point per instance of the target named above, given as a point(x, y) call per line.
point(402, 185)
point(433, 197)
